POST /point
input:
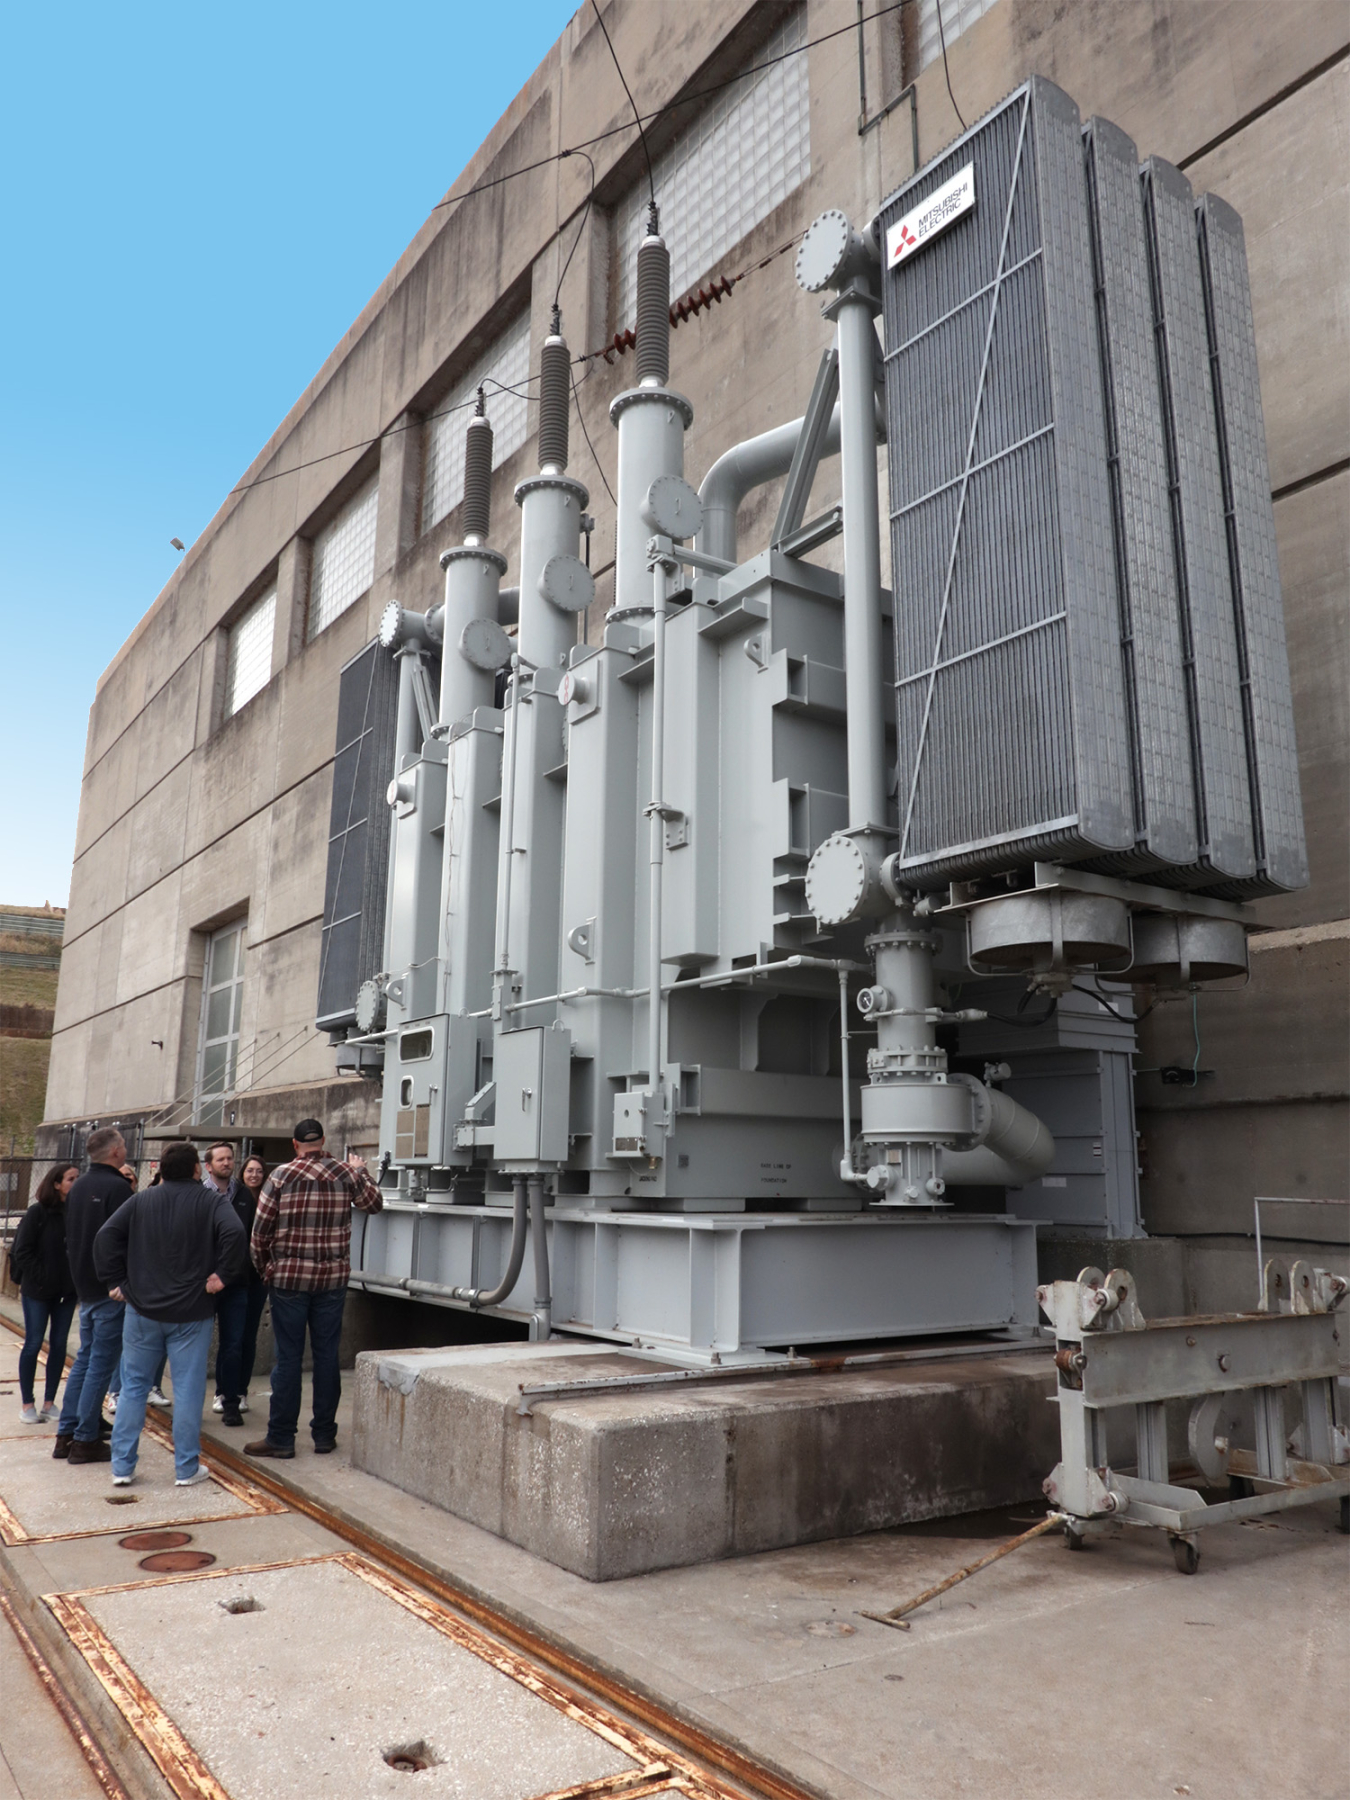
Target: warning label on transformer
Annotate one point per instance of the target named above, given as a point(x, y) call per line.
point(931, 217)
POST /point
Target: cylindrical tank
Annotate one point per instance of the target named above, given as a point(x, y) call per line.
point(1049, 930)
point(1175, 949)
point(472, 575)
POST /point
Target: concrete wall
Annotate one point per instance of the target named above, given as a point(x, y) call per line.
point(185, 822)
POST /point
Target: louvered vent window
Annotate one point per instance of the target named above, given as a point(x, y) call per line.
point(343, 566)
point(957, 16)
point(504, 372)
point(249, 664)
point(746, 152)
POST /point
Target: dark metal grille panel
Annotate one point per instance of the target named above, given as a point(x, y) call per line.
point(1209, 638)
point(1254, 574)
point(1011, 721)
point(1153, 663)
point(352, 944)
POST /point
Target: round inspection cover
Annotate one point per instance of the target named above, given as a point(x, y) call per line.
point(836, 880)
point(822, 250)
point(176, 1562)
point(673, 507)
point(566, 582)
point(391, 625)
point(155, 1540)
point(484, 645)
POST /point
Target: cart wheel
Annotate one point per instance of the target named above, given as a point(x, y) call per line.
point(1074, 1540)
point(1186, 1555)
point(1344, 1520)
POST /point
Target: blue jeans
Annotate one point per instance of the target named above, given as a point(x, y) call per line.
point(37, 1314)
point(292, 1311)
point(115, 1385)
point(144, 1343)
point(87, 1383)
point(239, 1311)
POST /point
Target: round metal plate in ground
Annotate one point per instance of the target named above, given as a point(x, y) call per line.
point(566, 582)
point(176, 1562)
point(155, 1540)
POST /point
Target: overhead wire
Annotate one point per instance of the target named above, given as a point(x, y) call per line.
point(946, 67)
point(651, 179)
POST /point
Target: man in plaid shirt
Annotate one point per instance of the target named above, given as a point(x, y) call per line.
point(301, 1247)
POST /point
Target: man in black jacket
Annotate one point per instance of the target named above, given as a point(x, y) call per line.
point(90, 1203)
point(168, 1253)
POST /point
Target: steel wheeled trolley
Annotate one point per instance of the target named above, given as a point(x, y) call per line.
point(1238, 1369)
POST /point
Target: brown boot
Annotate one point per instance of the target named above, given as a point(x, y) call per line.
point(265, 1447)
point(61, 1447)
point(82, 1452)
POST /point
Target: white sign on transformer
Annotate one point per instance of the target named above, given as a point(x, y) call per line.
point(931, 217)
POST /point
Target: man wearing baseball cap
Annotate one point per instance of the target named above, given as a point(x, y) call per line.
point(301, 1247)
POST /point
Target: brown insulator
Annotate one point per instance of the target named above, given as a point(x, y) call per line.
point(477, 514)
point(653, 311)
point(555, 402)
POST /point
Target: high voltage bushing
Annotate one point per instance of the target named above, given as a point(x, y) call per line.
point(653, 310)
point(477, 513)
point(555, 394)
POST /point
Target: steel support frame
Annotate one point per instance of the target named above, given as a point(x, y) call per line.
point(709, 1287)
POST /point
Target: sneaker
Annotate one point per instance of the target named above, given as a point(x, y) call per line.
point(50, 1411)
point(218, 1404)
point(29, 1414)
point(243, 1402)
point(265, 1447)
point(231, 1416)
point(94, 1451)
point(123, 1480)
point(193, 1480)
point(110, 1403)
point(157, 1398)
point(61, 1447)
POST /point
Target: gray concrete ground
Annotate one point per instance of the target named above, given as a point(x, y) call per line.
point(1046, 1675)
point(38, 1757)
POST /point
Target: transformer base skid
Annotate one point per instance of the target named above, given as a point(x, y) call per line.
point(711, 1287)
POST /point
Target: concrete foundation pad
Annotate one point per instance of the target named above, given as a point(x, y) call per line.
point(616, 1485)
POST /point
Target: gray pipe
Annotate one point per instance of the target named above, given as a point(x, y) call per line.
point(515, 1260)
point(745, 467)
point(862, 563)
point(541, 1326)
point(1017, 1149)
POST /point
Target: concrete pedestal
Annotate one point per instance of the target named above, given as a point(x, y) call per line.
point(616, 1485)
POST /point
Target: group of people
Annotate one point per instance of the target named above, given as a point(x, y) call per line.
point(156, 1273)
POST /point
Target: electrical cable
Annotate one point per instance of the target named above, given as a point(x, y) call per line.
point(581, 420)
point(684, 100)
point(1124, 1018)
point(651, 179)
point(585, 214)
point(946, 70)
point(1027, 1024)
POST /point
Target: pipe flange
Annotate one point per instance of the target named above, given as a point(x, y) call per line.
point(480, 552)
point(534, 484)
point(666, 396)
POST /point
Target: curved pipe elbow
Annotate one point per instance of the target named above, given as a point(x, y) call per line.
point(515, 1259)
point(1017, 1148)
point(746, 466)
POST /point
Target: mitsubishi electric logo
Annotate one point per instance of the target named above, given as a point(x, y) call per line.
point(931, 217)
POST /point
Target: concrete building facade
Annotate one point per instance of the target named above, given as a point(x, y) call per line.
point(192, 941)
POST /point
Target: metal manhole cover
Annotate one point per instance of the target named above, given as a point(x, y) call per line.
point(176, 1562)
point(155, 1540)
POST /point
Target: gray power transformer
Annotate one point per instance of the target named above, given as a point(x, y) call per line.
point(703, 949)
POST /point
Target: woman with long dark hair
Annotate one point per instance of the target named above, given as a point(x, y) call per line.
point(38, 1262)
point(239, 1308)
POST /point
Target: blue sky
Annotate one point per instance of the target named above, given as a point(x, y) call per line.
point(197, 203)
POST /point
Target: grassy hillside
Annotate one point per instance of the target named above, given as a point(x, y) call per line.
point(30, 987)
point(23, 1061)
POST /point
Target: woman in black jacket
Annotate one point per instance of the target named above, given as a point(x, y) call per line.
point(38, 1262)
